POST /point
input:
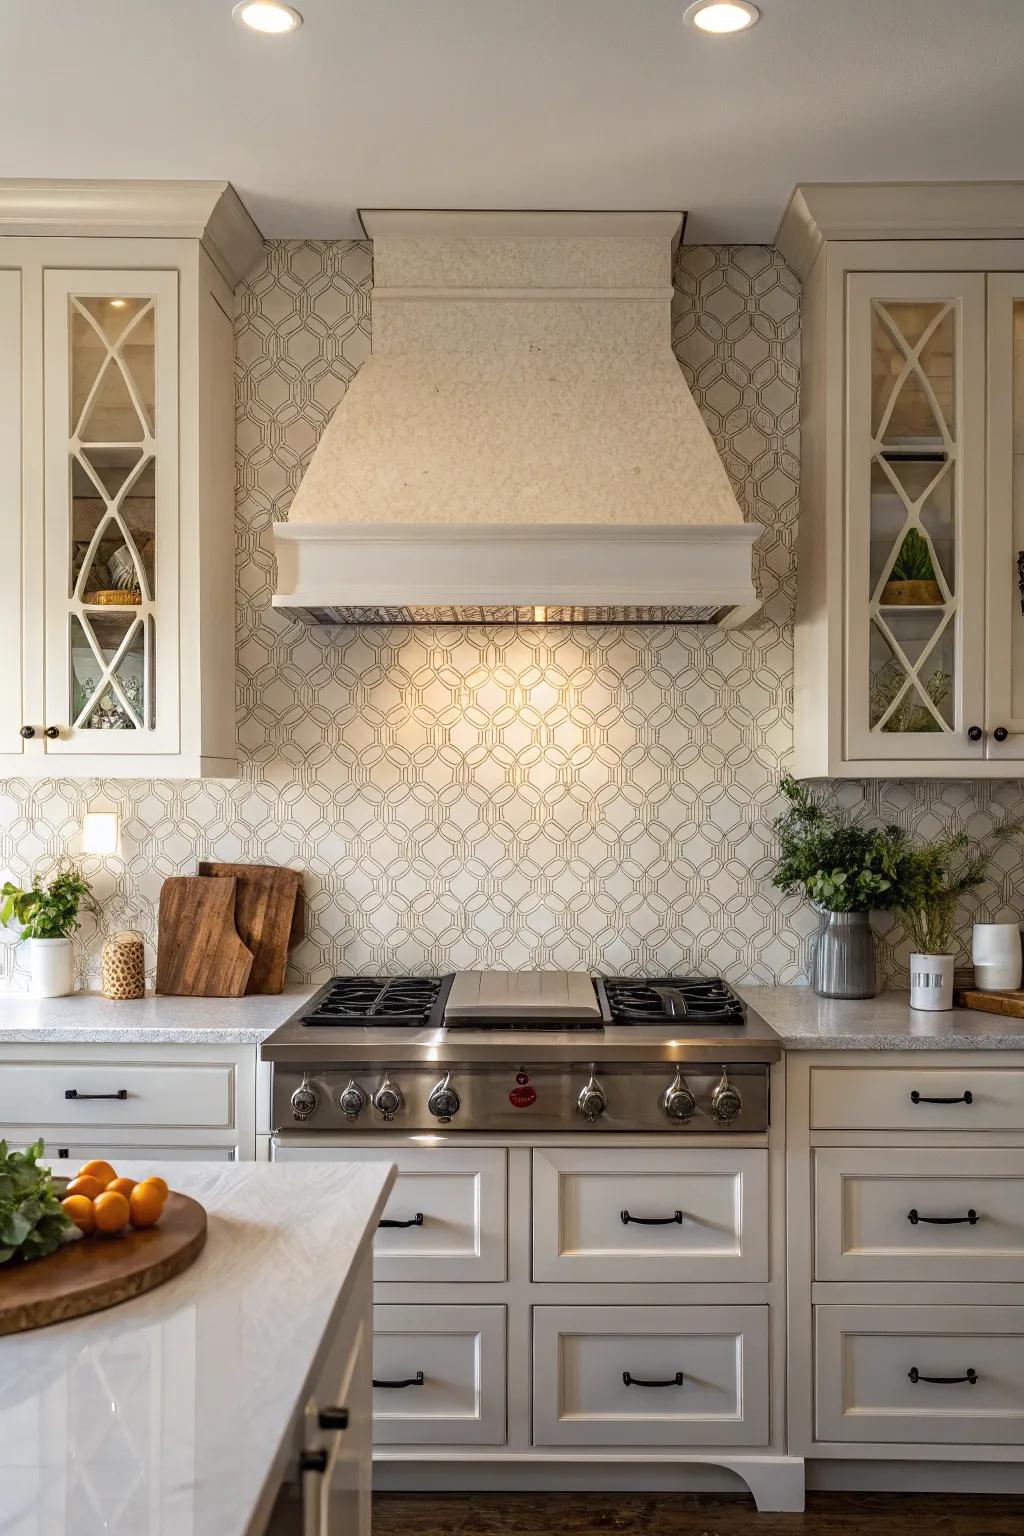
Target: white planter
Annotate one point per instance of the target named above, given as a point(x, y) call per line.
point(996, 952)
point(53, 967)
point(931, 982)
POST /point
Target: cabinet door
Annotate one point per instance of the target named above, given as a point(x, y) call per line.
point(915, 516)
point(11, 673)
point(1005, 595)
point(111, 453)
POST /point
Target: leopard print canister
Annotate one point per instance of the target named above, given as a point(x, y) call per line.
point(123, 966)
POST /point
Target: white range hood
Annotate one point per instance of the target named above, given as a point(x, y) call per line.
point(521, 445)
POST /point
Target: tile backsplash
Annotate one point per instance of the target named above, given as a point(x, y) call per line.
point(576, 798)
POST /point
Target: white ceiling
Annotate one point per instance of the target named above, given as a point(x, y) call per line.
point(514, 103)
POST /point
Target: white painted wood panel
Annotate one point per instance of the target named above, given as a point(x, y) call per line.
point(458, 1192)
point(711, 1206)
point(582, 1354)
point(865, 1357)
point(882, 1098)
point(34, 1094)
point(872, 1209)
point(460, 1351)
point(12, 705)
point(1005, 486)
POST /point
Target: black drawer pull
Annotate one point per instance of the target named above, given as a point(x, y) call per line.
point(944, 1221)
point(313, 1461)
point(638, 1381)
point(333, 1418)
point(652, 1221)
point(410, 1381)
point(73, 1093)
point(919, 1098)
point(915, 1376)
point(414, 1221)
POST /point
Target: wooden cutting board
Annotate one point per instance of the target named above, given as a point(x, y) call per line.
point(1010, 1004)
point(199, 952)
point(98, 1272)
point(268, 900)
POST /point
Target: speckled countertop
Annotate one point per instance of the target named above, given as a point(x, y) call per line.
point(807, 1022)
point(86, 1018)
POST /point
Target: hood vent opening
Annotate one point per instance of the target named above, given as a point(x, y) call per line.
point(521, 446)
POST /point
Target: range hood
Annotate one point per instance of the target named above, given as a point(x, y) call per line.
point(521, 446)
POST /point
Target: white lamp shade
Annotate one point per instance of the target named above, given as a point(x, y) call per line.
point(100, 831)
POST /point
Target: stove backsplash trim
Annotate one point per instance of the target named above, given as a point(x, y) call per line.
point(501, 797)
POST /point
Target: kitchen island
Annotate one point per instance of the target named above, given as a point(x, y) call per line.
point(185, 1410)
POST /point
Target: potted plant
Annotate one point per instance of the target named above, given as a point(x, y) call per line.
point(846, 869)
point(47, 915)
point(912, 578)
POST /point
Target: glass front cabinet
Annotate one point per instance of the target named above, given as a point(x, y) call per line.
point(117, 481)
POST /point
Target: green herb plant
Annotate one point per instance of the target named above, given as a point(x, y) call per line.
point(46, 911)
point(932, 877)
point(32, 1223)
point(914, 561)
point(910, 715)
point(838, 864)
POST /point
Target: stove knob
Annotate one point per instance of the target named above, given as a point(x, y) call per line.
point(351, 1099)
point(678, 1101)
point(444, 1102)
point(592, 1102)
point(725, 1101)
point(304, 1100)
point(387, 1101)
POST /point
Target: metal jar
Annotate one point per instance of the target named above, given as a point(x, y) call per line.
point(844, 956)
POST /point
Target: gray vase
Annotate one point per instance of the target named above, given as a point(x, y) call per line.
point(844, 956)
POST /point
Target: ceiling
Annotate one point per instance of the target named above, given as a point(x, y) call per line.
point(514, 103)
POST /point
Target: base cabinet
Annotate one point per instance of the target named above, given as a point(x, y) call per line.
point(439, 1375)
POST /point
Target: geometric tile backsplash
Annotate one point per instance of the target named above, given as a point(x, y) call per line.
point(595, 797)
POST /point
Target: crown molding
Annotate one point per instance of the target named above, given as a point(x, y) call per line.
point(481, 223)
point(897, 210)
point(208, 211)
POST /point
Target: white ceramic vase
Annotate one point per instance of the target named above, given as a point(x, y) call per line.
point(996, 952)
point(53, 967)
point(931, 982)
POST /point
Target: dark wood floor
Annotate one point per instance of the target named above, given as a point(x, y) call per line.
point(604, 1514)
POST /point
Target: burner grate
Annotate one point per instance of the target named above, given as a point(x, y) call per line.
point(378, 1000)
point(670, 999)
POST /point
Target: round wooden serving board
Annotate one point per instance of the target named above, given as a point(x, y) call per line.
point(98, 1272)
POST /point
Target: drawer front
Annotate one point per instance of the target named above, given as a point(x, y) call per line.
point(447, 1207)
point(439, 1375)
point(921, 1213)
point(114, 1095)
point(866, 1359)
point(582, 1355)
point(65, 1157)
point(692, 1214)
point(913, 1099)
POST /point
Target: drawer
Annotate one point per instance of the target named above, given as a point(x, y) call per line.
point(693, 1214)
point(439, 1375)
point(115, 1095)
point(898, 1214)
point(447, 1206)
point(904, 1099)
point(867, 1359)
point(698, 1376)
point(65, 1157)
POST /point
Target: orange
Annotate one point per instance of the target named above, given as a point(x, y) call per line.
point(157, 1183)
point(85, 1185)
point(146, 1205)
point(121, 1187)
point(99, 1169)
point(80, 1211)
point(111, 1211)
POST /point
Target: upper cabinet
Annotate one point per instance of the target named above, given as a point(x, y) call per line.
point(910, 616)
point(117, 477)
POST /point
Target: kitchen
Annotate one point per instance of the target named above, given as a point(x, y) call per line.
point(585, 798)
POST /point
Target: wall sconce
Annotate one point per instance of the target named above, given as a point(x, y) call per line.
point(100, 832)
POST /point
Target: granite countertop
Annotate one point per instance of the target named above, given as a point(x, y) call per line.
point(87, 1018)
point(887, 1022)
point(174, 1412)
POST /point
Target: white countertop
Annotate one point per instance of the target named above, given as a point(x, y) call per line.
point(171, 1413)
point(887, 1022)
point(91, 1019)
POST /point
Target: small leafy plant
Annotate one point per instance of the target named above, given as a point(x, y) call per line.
point(839, 864)
point(914, 561)
point(910, 714)
point(932, 877)
point(46, 911)
point(32, 1223)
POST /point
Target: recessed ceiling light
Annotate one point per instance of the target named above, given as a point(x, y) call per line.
point(722, 16)
point(267, 16)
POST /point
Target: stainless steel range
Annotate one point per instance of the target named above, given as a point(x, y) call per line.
point(522, 1051)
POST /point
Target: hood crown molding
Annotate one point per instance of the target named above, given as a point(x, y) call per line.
point(208, 211)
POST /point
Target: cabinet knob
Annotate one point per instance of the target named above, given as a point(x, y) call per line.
point(27, 731)
point(332, 1418)
point(52, 732)
point(1000, 733)
point(974, 733)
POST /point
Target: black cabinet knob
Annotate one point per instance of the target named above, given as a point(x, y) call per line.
point(1000, 733)
point(313, 1461)
point(333, 1418)
point(974, 733)
point(52, 732)
point(28, 731)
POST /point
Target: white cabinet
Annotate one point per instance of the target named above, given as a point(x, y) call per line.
point(117, 482)
point(439, 1375)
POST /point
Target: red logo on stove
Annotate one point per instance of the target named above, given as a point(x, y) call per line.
point(523, 1095)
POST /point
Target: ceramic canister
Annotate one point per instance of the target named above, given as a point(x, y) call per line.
point(931, 982)
point(996, 952)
